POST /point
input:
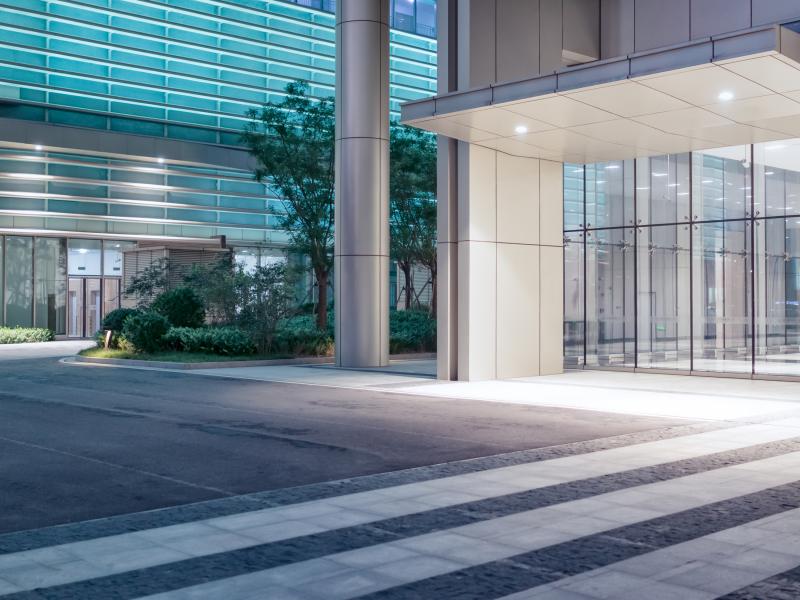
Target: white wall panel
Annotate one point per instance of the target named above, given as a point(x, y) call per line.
point(517, 200)
point(517, 310)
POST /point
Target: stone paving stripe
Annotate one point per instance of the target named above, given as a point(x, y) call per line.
point(497, 579)
point(749, 561)
point(782, 586)
point(223, 568)
point(165, 517)
point(351, 574)
point(254, 528)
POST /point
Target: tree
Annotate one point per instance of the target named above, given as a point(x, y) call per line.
point(265, 297)
point(148, 283)
point(412, 194)
point(293, 142)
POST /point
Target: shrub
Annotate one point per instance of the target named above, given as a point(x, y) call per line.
point(411, 331)
point(145, 331)
point(25, 335)
point(182, 307)
point(116, 318)
point(299, 336)
point(228, 341)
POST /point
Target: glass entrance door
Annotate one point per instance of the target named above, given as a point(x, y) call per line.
point(85, 307)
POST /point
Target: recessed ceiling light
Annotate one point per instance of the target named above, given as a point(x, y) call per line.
point(160, 160)
point(38, 147)
point(521, 129)
point(660, 174)
point(612, 166)
point(769, 173)
point(725, 95)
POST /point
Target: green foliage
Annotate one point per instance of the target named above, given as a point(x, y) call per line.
point(149, 282)
point(116, 318)
point(25, 335)
point(182, 307)
point(145, 331)
point(216, 285)
point(411, 331)
point(265, 297)
point(412, 194)
point(293, 142)
point(300, 336)
point(215, 340)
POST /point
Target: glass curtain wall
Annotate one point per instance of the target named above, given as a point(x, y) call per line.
point(686, 262)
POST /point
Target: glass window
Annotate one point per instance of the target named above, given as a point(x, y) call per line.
point(721, 184)
point(609, 194)
point(574, 290)
point(663, 311)
point(19, 281)
point(113, 257)
point(662, 189)
point(610, 321)
point(85, 257)
point(50, 267)
point(722, 296)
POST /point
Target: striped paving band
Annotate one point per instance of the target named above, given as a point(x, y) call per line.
point(784, 586)
point(109, 526)
point(503, 525)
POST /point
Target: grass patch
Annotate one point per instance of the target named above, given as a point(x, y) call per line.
point(175, 356)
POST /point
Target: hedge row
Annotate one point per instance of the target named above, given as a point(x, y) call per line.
point(24, 335)
point(214, 340)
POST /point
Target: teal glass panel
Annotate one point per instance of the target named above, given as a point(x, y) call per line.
point(76, 119)
point(137, 127)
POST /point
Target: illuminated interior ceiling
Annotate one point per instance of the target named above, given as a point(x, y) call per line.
point(735, 89)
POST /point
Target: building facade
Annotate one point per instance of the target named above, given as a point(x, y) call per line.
point(618, 186)
point(119, 132)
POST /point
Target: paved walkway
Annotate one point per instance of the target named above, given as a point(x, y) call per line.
point(688, 512)
point(707, 398)
point(43, 350)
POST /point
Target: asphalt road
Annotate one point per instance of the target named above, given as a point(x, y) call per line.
point(84, 442)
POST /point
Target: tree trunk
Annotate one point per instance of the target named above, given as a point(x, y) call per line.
point(322, 299)
point(406, 268)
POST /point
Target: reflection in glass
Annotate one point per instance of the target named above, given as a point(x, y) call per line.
point(663, 286)
point(75, 304)
point(609, 194)
point(721, 271)
point(662, 189)
point(51, 282)
point(19, 281)
point(573, 197)
point(609, 298)
point(573, 299)
point(93, 314)
point(778, 296)
point(721, 184)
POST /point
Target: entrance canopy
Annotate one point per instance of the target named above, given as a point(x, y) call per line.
point(738, 88)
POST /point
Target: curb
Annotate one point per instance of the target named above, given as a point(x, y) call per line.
point(277, 362)
point(182, 366)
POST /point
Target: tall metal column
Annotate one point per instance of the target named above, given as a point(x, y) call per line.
point(361, 258)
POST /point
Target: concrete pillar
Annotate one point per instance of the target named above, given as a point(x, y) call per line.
point(510, 265)
point(361, 257)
